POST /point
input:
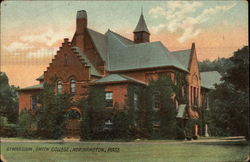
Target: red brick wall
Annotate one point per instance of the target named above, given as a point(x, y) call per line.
point(119, 94)
point(143, 75)
point(73, 69)
point(194, 78)
point(24, 98)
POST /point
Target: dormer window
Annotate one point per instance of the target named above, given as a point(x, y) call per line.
point(59, 87)
point(72, 86)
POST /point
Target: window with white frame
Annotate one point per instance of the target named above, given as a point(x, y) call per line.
point(72, 86)
point(59, 86)
point(109, 99)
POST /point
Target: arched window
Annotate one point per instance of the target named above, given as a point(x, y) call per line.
point(72, 86)
point(59, 86)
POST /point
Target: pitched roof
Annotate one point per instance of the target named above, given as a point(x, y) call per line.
point(117, 78)
point(84, 58)
point(209, 78)
point(183, 56)
point(138, 56)
point(34, 87)
point(40, 77)
point(141, 26)
point(121, 38)
point(100, 42)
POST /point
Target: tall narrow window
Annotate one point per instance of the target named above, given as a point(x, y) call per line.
point(109, 99)
point(33, 102)
point(136, 101)
point(59, 86)
point(72, 86)
point(156, 99)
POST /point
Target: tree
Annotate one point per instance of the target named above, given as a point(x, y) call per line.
point(229, 102)
point(51, 115)
point(8, 99)
point(220, 64)
point(238, 74)
point(25, 124)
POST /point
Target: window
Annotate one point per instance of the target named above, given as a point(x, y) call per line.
point(59, 86)
point(72, 86)
point(136, 101)
point(156, 124)
point(109, 99)
point(108, 124)
point(156, 100)
point(33, 100)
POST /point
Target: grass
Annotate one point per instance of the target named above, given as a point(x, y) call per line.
point(133, 151)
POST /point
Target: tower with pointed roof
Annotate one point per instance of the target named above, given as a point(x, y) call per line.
point(141, 32)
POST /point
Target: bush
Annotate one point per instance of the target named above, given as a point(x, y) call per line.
point(7, 130)
point(24, 124)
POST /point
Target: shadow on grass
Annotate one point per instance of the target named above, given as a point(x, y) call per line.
point(233, 143)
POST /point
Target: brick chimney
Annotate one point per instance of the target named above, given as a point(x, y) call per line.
point(81, 26)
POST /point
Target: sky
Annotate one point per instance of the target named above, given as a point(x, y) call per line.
point(32, 31)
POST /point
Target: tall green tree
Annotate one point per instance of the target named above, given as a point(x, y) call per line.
point(51, 115)
point(8, 99)
point(229, 102)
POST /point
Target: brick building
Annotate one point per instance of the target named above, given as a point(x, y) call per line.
point(115, 61)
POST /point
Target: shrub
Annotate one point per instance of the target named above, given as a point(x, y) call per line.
point(6, 129)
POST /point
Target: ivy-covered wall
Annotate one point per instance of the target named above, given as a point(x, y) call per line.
point(138, 117)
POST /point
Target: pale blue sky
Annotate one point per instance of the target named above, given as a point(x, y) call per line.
point(106, 14)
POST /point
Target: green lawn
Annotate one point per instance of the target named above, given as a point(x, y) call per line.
point(136, 151)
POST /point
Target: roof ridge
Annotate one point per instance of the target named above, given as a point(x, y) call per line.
point(130, 78)
point(96, 31)
point(120, 35)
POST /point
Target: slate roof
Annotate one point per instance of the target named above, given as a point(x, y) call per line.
point(100, 42)
point(209, 78)
point(117, 78)
point(141, 26)
point(40, 77)
point(122, 56)
point(84, 58)
point(34, 87)
point(183, 56)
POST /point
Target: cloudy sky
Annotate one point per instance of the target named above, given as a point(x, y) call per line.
point(31, 32)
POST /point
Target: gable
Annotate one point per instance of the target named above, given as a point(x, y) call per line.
point(193, 66)
point(183, 56)
point(67, 64)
